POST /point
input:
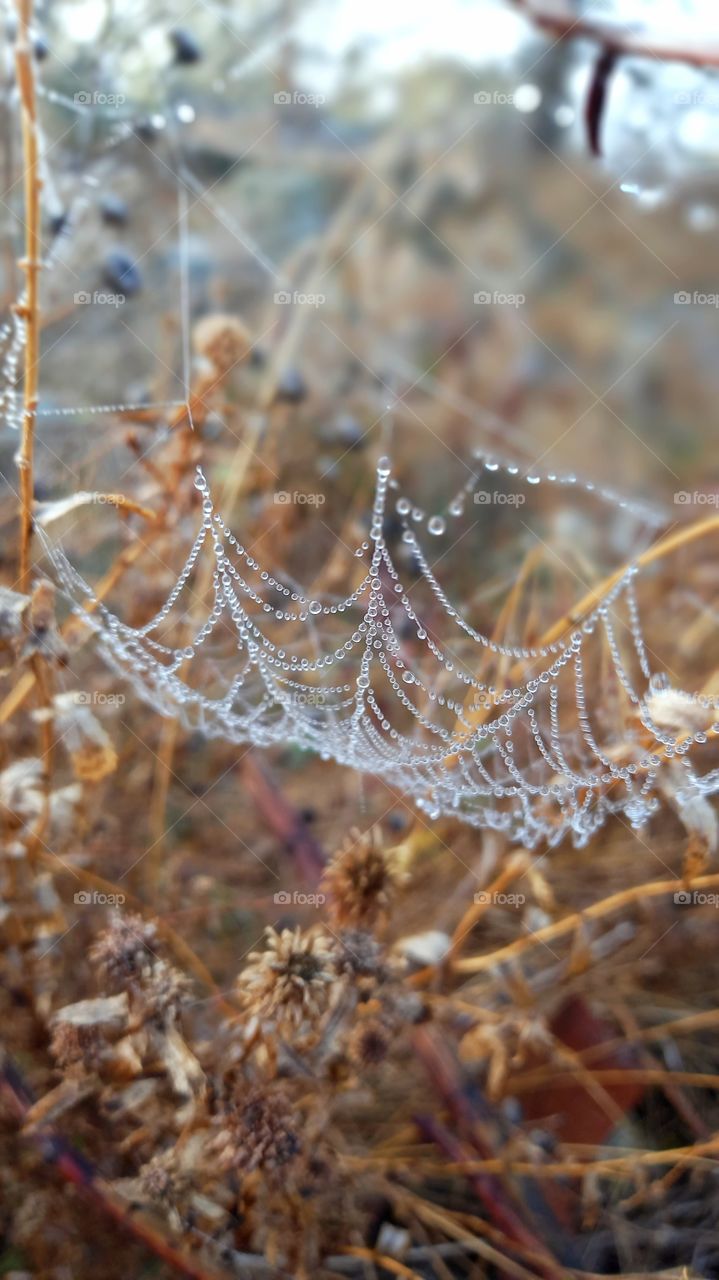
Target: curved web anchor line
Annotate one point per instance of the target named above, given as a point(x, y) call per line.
point(339, 678)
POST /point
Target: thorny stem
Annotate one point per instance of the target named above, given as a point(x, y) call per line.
point(28, 308)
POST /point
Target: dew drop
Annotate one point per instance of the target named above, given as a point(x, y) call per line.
point(436, 526)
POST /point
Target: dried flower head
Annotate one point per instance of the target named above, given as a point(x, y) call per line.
point(125, 950)
point(360, 881)
point(223, 340)
point(160, 1179)
point(369, 1042)
point(164, 989)
point(291, 980)
point(359, 955)
point(259, 1133)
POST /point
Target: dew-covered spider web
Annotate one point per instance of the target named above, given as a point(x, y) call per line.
point(393, 678)
point(530, 760)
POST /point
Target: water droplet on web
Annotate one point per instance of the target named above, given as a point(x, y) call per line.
point(315, 607)
point(436, 525)
point(407, 677)
point(404, 506)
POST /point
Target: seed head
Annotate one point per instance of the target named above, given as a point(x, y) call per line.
point(125, 950)
point(259, 1133)
point(360, 881)
point(290, 981)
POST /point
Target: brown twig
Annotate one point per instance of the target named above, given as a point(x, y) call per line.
point(577, 614)
point(28, 308)
point(637, 893)
point(563, 26)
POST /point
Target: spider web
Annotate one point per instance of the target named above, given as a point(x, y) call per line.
point(499, 735)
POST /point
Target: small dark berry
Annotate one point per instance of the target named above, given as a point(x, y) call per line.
point(145, 129)
point(40, 48)
point(121, 273)
point(187, 50)
point(291, 387)
point(58, 222)
point(113, 210)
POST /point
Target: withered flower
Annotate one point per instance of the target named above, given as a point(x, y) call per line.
point(259, 1134)
point(223, 340)
point(126, 949)
point(359, 955)
point(360, 881)
point(369, 1042)
point(160, 1179)
point(290, 981)
point(164, 989)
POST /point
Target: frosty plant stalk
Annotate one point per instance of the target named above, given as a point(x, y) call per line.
point(28, 307)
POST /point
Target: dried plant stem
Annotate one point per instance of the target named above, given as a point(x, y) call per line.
point(28, 680)
point(567, 25)
point(75, 1169)
point(28, 308)
point(615, 901)
point(658, 550)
